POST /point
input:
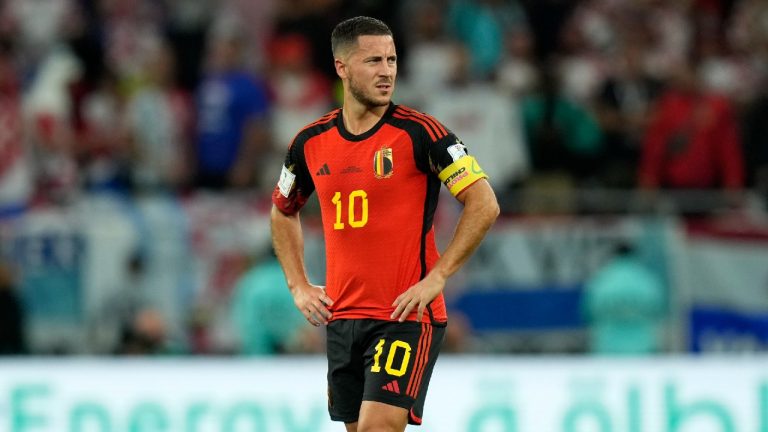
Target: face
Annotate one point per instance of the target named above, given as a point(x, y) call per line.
point(369, 70)
point(223, 53)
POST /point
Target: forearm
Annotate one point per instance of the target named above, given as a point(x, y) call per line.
point(288, 243)
point(480, 211)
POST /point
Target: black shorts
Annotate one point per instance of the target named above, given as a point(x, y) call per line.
point(382, 361)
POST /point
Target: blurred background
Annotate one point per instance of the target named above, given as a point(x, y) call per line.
point(627, 141)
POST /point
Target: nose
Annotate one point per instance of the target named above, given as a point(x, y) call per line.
point(387, 69)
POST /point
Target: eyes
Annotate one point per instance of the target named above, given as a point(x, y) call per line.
point(391, 60)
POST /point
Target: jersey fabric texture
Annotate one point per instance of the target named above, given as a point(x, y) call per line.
point(378, 192)
point(397, 363)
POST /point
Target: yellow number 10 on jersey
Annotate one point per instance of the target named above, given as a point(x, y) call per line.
point(354, 197)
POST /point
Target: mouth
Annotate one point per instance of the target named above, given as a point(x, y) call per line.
point(384, 86)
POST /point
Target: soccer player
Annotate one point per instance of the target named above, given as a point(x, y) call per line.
point(377, 169)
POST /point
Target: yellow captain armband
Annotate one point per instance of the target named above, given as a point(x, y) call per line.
point(460, 174)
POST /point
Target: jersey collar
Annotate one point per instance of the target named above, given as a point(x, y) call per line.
point(367, 134)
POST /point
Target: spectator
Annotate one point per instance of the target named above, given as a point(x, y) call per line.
point(624, 108)
point(580, 60)
point(563, 143)
point(300, 92)
point(100, 147)
point(746, 30)
point(488, 120)
point(671, 32)
point(693, 141)
point(562, 135)
point(12, 315)
point(146, 334)
point(427, 69)
point(264, 315)
point(121, 303)
point(130, 29)
point(232, 117)
point(313, 20)
point(624, 307)
point(48, 113)
point(186, 27)
point(15, 170)
point(721, 69)
point(518, 75)
point(481, 26)
point(36, 26)
point(547, 19)
point(159, 125)
point(754, 133)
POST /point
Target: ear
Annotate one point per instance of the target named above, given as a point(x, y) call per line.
point(341, 68)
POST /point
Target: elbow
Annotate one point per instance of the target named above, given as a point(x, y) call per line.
point(489, 211)
point(277, 216)
point(274, 215)
point(482, 204)
point(493, 212)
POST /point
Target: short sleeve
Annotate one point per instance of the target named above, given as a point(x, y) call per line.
point(295, 184)
point(439, 152)
point(451, 162)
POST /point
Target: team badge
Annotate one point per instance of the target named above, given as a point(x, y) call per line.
point(383, 165)
point(287, 178)
point(457, 151)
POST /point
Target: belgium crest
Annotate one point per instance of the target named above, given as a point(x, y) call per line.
point(382, 163)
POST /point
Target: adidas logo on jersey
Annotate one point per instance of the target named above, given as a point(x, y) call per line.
point(323, 170)
point(392, 386)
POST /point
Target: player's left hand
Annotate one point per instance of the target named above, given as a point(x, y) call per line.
point(418, 296)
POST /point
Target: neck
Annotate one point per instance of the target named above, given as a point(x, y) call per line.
point(359, 118)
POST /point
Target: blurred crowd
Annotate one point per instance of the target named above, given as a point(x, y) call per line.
point(164, 95)
point(553, 97)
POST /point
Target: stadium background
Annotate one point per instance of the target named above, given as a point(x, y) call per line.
point(135, 252)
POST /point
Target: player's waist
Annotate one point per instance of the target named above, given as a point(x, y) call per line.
point(434, 315)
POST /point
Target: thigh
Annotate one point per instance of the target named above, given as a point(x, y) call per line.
point(345, 372)
point(399, 359)
point(379, 416)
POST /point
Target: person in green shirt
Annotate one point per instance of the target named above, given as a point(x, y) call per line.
point(263, 313)
point(562, 135)
point(624, 306)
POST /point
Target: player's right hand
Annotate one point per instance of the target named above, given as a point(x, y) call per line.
point(313, 303)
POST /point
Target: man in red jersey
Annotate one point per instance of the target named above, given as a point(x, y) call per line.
point(377, 169)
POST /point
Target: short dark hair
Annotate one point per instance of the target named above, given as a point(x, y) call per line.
point(346, 32)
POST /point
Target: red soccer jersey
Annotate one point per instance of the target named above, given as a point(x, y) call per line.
point(378, 192)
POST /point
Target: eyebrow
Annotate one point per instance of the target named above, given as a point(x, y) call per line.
point(378, 57)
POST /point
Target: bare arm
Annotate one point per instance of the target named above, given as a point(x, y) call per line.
point(479, 213)
point(288, 241)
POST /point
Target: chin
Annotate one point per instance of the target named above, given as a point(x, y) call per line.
point(373, 100)
point(383, 100)
point(378, 102)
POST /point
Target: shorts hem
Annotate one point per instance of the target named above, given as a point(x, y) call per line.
point(394, 401)
point(343, 419)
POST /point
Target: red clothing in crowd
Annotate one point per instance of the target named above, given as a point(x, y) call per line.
point(692, 143)
point(11, 145)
